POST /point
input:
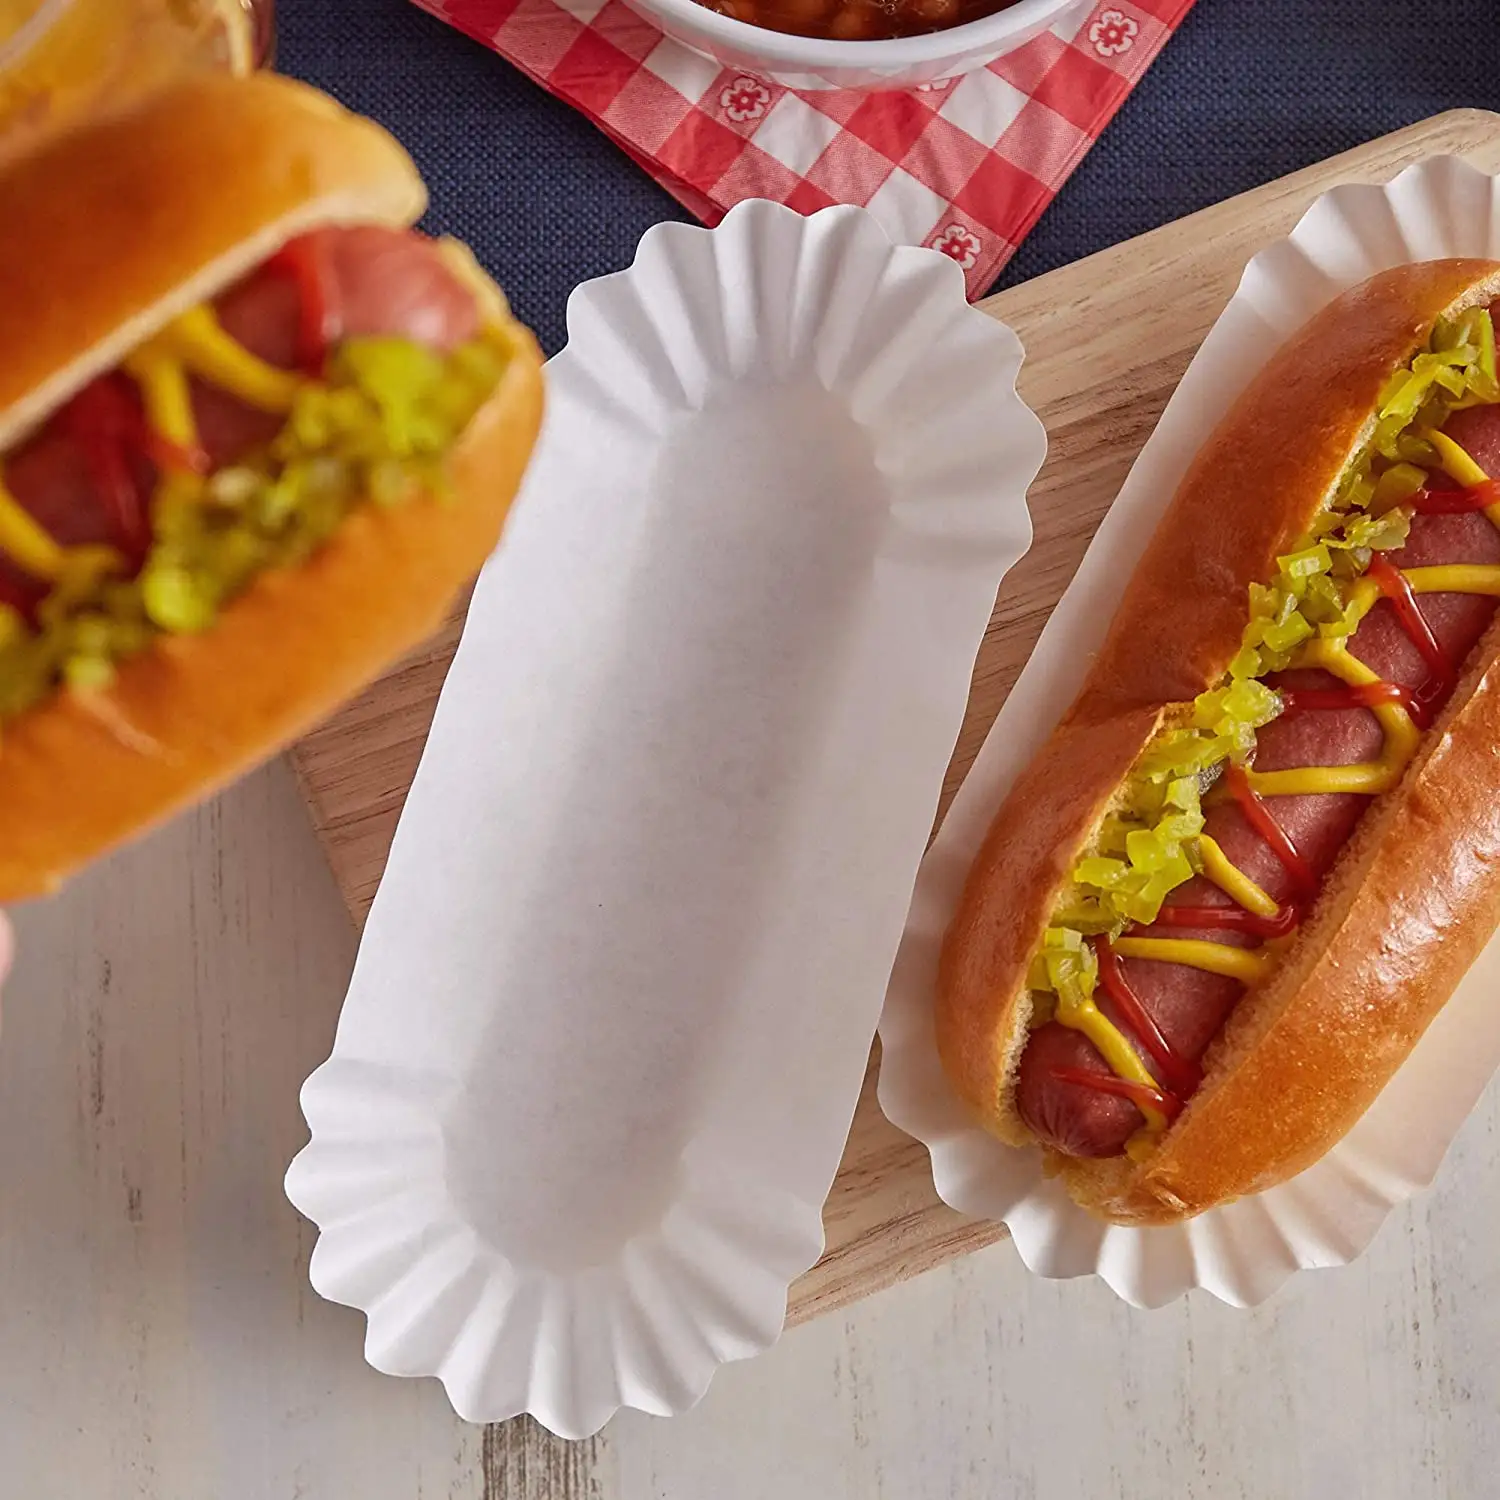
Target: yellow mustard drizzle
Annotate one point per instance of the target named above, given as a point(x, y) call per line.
point(1238, 886)
point(165, 394)
point(1456, 578)
point(198, 342)
point(1369, 778)
point(1083, 1015)
point(1460, 466)
point(26, 541)
point(1457, 464)
point(1245, 964)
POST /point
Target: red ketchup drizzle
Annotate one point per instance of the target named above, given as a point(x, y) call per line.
point(1109, 1083)
point(1181, 1076)
point(1356, 695)
point(1429, 502)
point(1440, 681)
point(111, 430)
point(299, 261)
point(1232, 919)
point(1258, 816)
point(12, 595)
point(106, 424)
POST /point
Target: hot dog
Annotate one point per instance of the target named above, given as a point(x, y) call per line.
point(1256, 855)
point(255, 436)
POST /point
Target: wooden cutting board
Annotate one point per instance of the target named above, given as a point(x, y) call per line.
point(1107, 339)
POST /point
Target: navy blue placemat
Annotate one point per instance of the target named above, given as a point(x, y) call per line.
point(1247, 91)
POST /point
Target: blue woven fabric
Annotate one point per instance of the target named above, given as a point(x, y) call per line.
point(1247, 91)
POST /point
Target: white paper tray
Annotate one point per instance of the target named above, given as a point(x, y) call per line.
point(611, 1012)
point(1327, 1215)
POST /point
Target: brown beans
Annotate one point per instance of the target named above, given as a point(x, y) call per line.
point(855, 22)
point(806, 17)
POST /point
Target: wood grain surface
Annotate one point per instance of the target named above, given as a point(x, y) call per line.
point(1107, 340)
point(161, 1341)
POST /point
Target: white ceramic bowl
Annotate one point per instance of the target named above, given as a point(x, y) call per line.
point(810, 63)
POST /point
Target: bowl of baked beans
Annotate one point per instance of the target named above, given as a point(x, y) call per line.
point(869, 44)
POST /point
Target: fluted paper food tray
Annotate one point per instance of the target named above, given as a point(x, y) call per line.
point(612, 1008)
point(1328, 1214)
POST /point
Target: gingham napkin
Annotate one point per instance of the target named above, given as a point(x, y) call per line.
point(965, 167)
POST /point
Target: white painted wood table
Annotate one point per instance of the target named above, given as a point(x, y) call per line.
point(158, 1337)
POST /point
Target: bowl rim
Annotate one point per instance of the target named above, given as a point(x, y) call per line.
point(783, 48)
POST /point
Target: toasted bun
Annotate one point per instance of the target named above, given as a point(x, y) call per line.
point(68, 66)
point(190, 210)
point(1414, 895)
point(110, 233)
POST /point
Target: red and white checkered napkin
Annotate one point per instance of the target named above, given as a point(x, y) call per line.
point(965, 167)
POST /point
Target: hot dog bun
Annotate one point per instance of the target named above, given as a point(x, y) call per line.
point(108, 236)
point(111, 232)
point(1414, 895)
